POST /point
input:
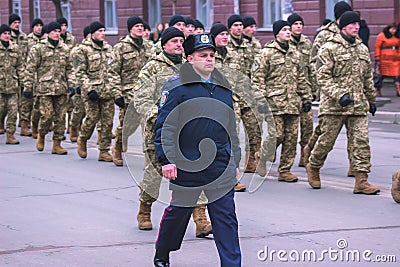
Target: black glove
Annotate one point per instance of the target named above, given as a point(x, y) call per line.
point(372, 109)
point(306, 107)
point(78, 90)
point(263, 108)
point(120, 102)
point(345, 100)
point(27, 94)
point(93, 95)
point(71, 91)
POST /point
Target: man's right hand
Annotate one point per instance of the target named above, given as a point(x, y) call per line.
point(27, 94)
point(93, 95)
point(345, 100)
point(169, 171)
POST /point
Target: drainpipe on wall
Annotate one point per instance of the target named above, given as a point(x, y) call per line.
point(173, 7)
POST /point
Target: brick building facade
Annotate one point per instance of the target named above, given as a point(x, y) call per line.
point(115, 12)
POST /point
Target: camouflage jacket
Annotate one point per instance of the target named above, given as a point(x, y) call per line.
point(22, 41)
point(126, 61)
point(48, 68)
point(303, 46)
point(277, 73)
point(344, 68)
point(255, 44)
point(157, 48)
point(70, 40)
point(322, 37)
point(32, 40)
point(11, 69)
point(91, 63)
point(245, 53)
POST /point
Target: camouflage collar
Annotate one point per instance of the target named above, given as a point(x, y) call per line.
point(337, 38)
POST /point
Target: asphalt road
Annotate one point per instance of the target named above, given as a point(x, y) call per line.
point(67, 211)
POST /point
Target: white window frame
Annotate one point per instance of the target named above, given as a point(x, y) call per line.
point(205, 12)
point(329, 8)
point(281, 10)
point(16, 8)
point(36, 8)
point(113, 29)
point(154, 13)
point(66, 11)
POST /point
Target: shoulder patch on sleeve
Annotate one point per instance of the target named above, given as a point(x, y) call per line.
point(163, 99)
point(319, 37)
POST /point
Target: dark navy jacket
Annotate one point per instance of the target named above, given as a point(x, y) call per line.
point(196, 130)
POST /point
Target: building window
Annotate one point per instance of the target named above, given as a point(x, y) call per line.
point(329, 7)
point(110, 16)
point(66, 11)
point(205, 12)
point(16, 7)
point(36, 8)
point(274, 10)
point(154, 13)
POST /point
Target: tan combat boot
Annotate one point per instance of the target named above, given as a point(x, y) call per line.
point(144, 217)
point(313, 176)
point(34, 130)
point(117, 154)
point(306, 154)
point(396, 187)
point(2, 130)
point(287, 177)
point(362, 186)
point(82, 148)
point(302, 159)
point(261, 165)
point(11, 140)
point(250, 164)
point(203, 227)
point(73, 134)
point(104, 155)
point(58, 149)
point(25, 129)
point(239, 187)
point(40, 142)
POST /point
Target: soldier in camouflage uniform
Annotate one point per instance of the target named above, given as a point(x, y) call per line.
point(11, 74)
point(249, 29)
point(147, 91)
point(69, 40)
point(345, 79)
point(177, 21)
point(92, 63)
point(277, 72)
point(31, 112)
point(303, 46)
point(246, 54)
point(49, 69)
point(327, 32)
point(78, 112)
point(129, 55)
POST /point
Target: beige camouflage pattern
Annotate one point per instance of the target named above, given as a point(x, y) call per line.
point(11, 69)
point(157, 48)
point(245, 53)
point(92, 65)
point(52, 110)
point(127, 61)
point(344, 68)
point(322, 37)
point(277, 74)
point(356, 127)
point(78, 111)
point(255, 44)
point(9, 107)
point(22, 41)
point(70, 40)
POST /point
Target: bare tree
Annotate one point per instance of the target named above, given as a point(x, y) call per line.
point(57, 4)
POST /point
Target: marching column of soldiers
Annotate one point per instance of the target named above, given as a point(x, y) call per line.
point(53, 84)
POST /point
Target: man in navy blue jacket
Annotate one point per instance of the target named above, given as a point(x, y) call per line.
point(197, 145)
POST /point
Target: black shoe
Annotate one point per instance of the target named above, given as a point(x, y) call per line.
point(160, 263)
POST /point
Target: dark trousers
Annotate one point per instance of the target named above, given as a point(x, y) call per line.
point(223, 219)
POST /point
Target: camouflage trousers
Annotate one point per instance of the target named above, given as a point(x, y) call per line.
point(101, 111)
point(127, 126)
point(150, 185)
point(36, 111)
point(284, 133)
point(306, 127)
point(357, 136)
point(9, 107)
point(317, 132)
point(78, 112)
point(70, 108)
point(52, 109)
point(26, 109)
